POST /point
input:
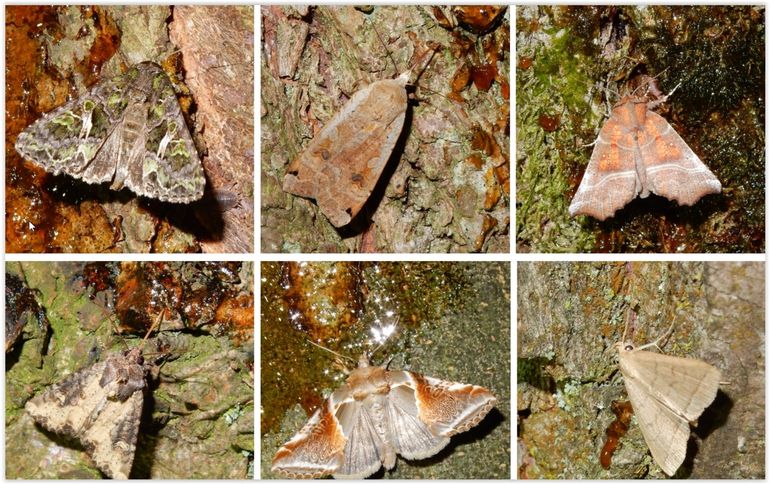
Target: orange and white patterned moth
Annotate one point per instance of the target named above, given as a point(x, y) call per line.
point(638, 153)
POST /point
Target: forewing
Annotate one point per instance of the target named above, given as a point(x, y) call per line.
point(448, 408)
point(342, 164)
point(165, 165)
point(411, 436)
point(67, 139)
point(665, 432)
point(673, 170)
point(68, 407)
point(315, 451)
point(111, 438)
point(685, 385)
point(610, 180)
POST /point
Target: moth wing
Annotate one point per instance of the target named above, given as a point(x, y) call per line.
point(315, 451)
point(673, 170)
point(343, 163)
point(111, 438)
point(449, 408)
point(610, 180)
point(685, 385)
point(411, 436)
point(665, 432)
point(71, 405)
point(365, 450)
point(60, 143)
point(167, 166)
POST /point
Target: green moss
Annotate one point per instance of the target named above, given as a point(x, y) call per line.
point(554, 86)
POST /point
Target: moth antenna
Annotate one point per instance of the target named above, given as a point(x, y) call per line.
point(674, 89)
point(387, 51)
point(630, 315)
point(332, 351)
point(665, 335)
point(155, 325)
point(425, 59)
point(656, 76)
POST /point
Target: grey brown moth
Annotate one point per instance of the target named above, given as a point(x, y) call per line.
point(128, 130)
point(100, 406)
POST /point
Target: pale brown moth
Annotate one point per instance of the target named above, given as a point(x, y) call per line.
point(343, 163)
point(100, 406)
point(376, 414)
point(666, 393)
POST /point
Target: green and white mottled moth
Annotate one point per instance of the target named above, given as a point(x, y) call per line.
point(128, 130)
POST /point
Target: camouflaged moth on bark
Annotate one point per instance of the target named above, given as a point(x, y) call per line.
point(343, 163)
point(128, 130)
point(638, 153)
point(100, 406)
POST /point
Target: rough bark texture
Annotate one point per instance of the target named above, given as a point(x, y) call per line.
point(570, 315)
point(218, 51)
point(445, 186)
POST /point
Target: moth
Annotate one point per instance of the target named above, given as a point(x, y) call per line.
point(638, 153)
point(376, 414)
point(100, 406)
point(666, 393)
point(342, 164)
point(129, 131)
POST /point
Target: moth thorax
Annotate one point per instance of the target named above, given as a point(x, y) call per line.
point(365, 381)
point(135, 356)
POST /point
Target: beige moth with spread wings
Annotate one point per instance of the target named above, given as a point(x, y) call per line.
point(376, 414)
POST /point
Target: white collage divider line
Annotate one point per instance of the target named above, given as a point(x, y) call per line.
point(614, 257)
point(257, 242)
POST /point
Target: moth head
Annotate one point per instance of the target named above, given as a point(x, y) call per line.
point(363, 360)
point(134, 355)
point(625, 346)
